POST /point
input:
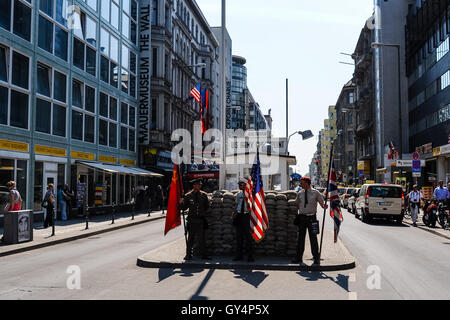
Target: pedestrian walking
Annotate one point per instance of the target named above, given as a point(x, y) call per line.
point(61, 202)
point(307, 200)
point(160, 198)
point(241, 221)
point(414, 198)
point(198, 204)
point(50, 199)
point(15, 203)
point(69, 196)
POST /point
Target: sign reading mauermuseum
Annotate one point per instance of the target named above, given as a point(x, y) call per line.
point(144, 72)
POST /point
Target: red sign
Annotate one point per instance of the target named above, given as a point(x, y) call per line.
point(415, 156)
point(205, 175)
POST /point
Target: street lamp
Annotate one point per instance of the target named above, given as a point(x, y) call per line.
point(305, 136)
point(376, 45)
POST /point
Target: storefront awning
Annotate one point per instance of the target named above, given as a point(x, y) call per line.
point(120, 169)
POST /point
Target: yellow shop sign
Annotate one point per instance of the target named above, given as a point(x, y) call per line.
point(128, 162)
point(82, 155)
point(107, 159)
point(13, 146)
point(49, 151)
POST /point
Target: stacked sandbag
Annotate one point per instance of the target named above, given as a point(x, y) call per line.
point(280, 221)
point(292, 229)
point(213, 234)
point(267, 246)
point(227, 230)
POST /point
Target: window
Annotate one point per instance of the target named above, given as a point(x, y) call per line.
point(22, 20)
point(51, 101)
point(351, 97)
point(14, 88)
point(85, 43)
point(154, 12)
point(15, 170)
point(109, 49)
point(105, 9)
point(445, 80)
point(133, 22)
point(53, 35)
point(350, 137)
point(108, 119)
point(114, 15)
point(127, 129)
point(83, 112)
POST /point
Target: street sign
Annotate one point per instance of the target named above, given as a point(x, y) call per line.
point(416, 168)
point(415, 156)
point(409, 163)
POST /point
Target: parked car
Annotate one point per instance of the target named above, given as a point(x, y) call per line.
point(345, 196)
point(4, 198)
point(351, 202)
point(380, 201)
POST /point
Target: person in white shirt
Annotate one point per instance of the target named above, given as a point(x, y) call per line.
point(414, 199)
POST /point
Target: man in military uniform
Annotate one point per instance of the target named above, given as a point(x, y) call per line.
point(198, 204)
point(241, 220)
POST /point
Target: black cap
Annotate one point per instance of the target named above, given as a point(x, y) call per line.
point(197, 181)
point(242, 181)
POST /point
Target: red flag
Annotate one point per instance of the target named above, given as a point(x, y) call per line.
point(173, 217)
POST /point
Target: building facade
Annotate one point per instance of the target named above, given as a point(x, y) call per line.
point(428, 71)
point(69, 97)
point(182, 40)
point(345, 143)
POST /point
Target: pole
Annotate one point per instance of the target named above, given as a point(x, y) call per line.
point(182, 210)
point(222, 181)
point(326, 199)
point(400, 133)
point(287, 110)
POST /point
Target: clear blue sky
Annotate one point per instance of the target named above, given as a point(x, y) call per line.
point(298, 40)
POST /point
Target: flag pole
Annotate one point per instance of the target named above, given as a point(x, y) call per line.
point(182, 209)
point(326, 199)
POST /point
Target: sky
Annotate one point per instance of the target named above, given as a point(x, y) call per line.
point(297, 40)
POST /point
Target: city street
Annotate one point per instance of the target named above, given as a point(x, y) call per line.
point(413, 264)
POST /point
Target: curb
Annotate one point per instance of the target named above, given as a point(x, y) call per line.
point(428, 230)
point(221, 266)
point(73, 238)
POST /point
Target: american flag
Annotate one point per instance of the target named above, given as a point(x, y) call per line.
point(196, 92)
point(335, 211)
point(254, 194)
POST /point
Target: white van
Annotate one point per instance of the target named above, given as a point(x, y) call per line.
point(380, 201)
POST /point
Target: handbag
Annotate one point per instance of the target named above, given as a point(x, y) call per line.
point(44, 204)
point(315, 227)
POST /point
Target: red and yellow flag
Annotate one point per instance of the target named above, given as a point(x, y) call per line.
point(173, 217)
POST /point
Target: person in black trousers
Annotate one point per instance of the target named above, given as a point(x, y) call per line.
point(241, 220)
point(307, 200)
point(50, 198)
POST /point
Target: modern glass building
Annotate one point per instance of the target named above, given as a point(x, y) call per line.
point(428, 71)
point(69, 97)
point(238, 93)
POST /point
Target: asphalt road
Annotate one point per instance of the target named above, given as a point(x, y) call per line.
point(413, 264)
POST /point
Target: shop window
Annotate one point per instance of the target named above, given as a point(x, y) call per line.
point(61, 174)
point(122, 189)
point(14, 170)
point(114, 189)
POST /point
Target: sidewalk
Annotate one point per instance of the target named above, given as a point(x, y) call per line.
point(335, 257)
point(437, 230)
point(75, 229)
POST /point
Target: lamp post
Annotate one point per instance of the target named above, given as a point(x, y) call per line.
point(376, 45)
point(305, 136)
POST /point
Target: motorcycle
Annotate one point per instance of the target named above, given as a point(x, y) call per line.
point(431, 213)
point(443, 215)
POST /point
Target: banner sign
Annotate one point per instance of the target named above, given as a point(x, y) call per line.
point(144, 72)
